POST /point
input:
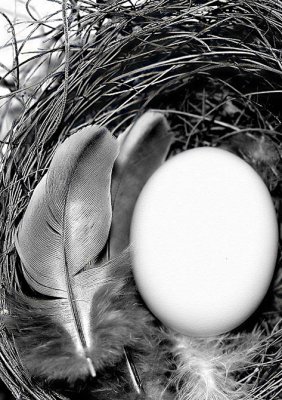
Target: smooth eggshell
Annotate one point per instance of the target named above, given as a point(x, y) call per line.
point(204, 236)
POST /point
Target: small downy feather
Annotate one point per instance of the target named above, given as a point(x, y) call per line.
point(77, 321)
point(206, 367)
point(143, 148)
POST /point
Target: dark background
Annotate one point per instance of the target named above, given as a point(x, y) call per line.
point(4, 392)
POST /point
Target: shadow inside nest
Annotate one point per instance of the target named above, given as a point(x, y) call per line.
point(5, 394)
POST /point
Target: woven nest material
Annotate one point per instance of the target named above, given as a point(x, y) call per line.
point(214, 69)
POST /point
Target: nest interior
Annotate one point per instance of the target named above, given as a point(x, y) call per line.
point(214, 69)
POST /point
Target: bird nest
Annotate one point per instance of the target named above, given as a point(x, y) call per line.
point(213, 68)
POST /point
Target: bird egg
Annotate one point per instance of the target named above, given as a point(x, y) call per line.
point(205, 238)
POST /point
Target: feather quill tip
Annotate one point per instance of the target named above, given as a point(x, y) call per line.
point(91, 367)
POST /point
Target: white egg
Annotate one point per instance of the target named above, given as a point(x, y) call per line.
point(205, 238)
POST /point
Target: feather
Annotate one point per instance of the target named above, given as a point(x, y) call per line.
point(143, 148)
point(206, 368)
point(77, 321)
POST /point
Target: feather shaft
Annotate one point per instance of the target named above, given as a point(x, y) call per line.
point(91, 367)
point(135, 379)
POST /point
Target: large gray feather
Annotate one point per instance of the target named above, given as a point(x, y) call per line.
point(65, 227)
